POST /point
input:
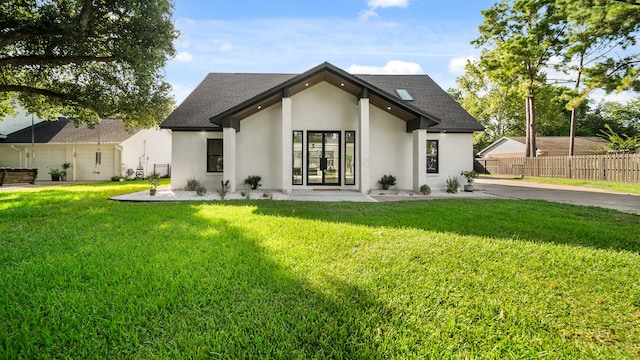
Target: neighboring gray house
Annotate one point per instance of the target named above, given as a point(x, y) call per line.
point(94, 154)
point(514, 146)
point(322, 129)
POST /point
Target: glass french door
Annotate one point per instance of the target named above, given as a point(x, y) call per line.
point(323, 154)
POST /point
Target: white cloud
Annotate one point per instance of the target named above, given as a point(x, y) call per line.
point(184, 56)
point(381, 4)
point(457, 64)
point(392, 67)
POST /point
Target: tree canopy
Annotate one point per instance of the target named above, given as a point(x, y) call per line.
point(87, 59)
point(590, 42)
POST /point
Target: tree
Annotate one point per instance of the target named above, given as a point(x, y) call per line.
point(620, 144)
point(494, 105)
point(87, 59)
point(620, 118)
point(520, 37)
point(599, 32)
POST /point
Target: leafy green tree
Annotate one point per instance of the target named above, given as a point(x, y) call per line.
point(620, 118)
point(87, 59)
point(519, 39)
point(599, 34)
point(618, 143)
point(497, 107)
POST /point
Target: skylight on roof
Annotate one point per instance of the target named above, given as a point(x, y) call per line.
point(404, 94)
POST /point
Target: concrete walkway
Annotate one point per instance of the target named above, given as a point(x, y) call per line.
point(522, 189)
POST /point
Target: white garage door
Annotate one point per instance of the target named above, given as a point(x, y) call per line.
point(46, 159)
point(87, 169)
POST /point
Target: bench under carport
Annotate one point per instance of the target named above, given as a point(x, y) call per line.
point(17, 176)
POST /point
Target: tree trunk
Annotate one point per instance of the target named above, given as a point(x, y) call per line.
point(572, 132)
point(530, 112)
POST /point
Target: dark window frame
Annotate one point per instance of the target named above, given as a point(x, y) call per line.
point(433, 159)
point(211, 155)
point(293, 157)
point(353, 161)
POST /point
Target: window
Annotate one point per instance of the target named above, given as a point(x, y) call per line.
point(432, 156)
point(297, 158)
point(349, 157)
point(214, 155)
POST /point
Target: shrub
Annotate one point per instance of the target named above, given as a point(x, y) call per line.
point(253, 181)
point(452, 185)
point(193, 184)
point(425, 189)
point(201, 190)
point(224, 189)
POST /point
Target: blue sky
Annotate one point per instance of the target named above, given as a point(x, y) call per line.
point(286, 36)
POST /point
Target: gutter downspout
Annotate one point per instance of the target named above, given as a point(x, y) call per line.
point(18, 150)
point(119, 172)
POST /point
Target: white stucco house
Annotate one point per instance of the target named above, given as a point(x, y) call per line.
point(96, 153)
point(322, 129)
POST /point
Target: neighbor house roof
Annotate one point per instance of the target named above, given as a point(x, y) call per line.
point(223, 96)
point(553, 144)
point(64, 131)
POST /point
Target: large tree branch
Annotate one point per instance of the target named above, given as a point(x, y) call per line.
point(55, 60)
point(47, 93)
point(12, 37)
point(33, 90)
point(85, 13)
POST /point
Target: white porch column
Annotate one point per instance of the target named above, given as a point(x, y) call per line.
point(287, 146)
point(419, 158)
point(365, 161)
point(229, 156)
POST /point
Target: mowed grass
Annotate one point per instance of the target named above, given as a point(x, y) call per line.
point(85, 277)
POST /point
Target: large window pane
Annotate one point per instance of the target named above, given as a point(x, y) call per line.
point(432, 156)
point(349, 157)
point(297, 158)
point(214, 155)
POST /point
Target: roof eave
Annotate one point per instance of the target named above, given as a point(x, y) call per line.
point(282, 90)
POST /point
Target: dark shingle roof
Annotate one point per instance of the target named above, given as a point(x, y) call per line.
point(220, 92)
point(561, 143)
point(215, 94)
point(64, 131)
point(430, 97)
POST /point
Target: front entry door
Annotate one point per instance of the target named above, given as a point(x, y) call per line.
point(323, 149)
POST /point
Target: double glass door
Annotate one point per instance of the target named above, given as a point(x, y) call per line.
point(323, 165)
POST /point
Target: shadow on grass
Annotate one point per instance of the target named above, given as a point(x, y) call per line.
point(528, 220)
point(137, 280)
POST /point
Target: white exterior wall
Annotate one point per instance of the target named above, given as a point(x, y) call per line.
point(455, 155)
point(324, 107)
point(189, 159)
point(10, 157)
point(259, 148)
point(145, 148)
point(507, 146)
point(391, 150)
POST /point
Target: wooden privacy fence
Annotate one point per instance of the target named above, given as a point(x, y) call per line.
point(609, 167)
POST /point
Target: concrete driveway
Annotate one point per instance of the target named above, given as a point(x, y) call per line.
point(522, 189)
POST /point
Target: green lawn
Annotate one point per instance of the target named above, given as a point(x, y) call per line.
point(85, 277)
